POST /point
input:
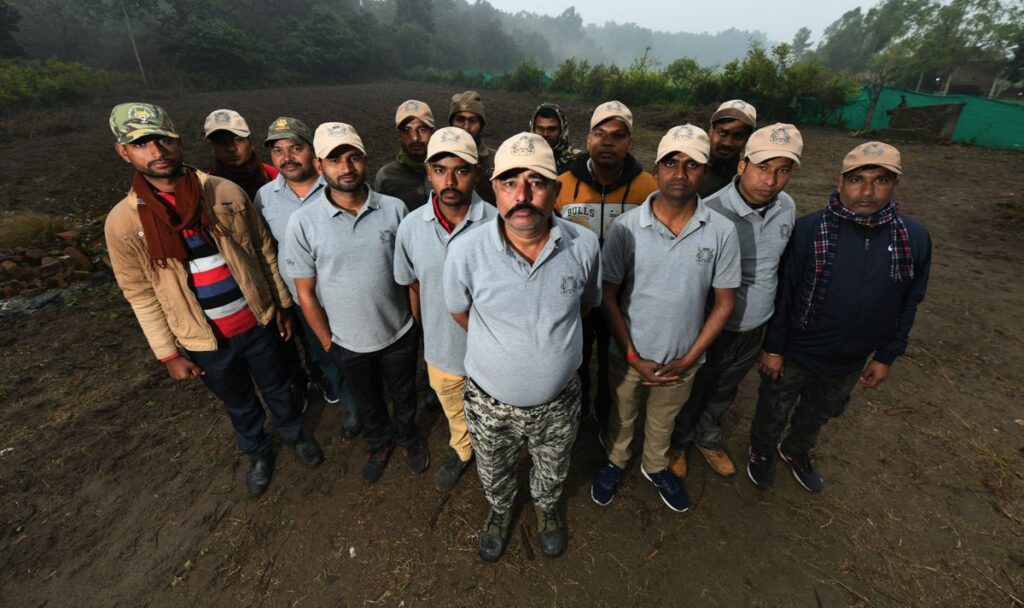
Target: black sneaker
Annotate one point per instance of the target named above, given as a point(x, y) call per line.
point(417, 458)
point(376, 462)
point(551, 533)
point(307, 451)
point(605, 484)
point(760, 467)
point(803, 469)
point(326, 390)
point(450, 472)
point(494, 535)
point(260, 472)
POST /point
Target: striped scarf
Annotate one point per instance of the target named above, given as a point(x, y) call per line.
point(901, 266)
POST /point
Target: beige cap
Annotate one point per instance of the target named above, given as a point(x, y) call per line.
point(737, 109)
point(873, 153)
point(412, 108)
point(455, 141)
point(226, 120)
point(778, 140)
point(609, 110)
point(467, 101)
point(691, 140)
point(330, 135)
point(526, 151)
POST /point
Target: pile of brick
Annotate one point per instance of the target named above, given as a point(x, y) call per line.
point(29, 271)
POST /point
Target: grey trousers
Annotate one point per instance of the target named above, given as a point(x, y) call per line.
point(499, 429)
point(715, 387)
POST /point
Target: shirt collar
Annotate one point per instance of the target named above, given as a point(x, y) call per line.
point(734, 200)
point(499, 239)
point(281, 183)
point(372, 202)
point(647, 219)
point(476, 208)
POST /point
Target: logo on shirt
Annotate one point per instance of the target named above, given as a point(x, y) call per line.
point(784, 231)
point(705, 255)
point(569, 286)
point(387, 237)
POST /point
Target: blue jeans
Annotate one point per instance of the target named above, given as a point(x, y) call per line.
point(230, 371)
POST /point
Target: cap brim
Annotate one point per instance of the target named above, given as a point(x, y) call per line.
point(696, 155)
point(545, 171)
point(892, 168)
point(138, 134)
point(763, 155)
point(731, 114)
point(285, 135)
point(238, 132)
point(466, 157)
point(618, 117)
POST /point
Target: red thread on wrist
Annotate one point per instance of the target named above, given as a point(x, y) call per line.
point(633, 356)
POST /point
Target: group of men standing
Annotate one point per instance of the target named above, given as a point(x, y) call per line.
point(511, 265)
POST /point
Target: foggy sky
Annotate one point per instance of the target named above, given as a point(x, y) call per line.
point(779, 19)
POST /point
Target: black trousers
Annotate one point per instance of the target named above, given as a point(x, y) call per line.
point(595, 329)
point(811, 399)
point(257, 354)
point(367, 373)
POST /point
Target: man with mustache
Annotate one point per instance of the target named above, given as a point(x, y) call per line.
point(200, 271)
point(234, 155)
point(405, 177)
point(340, 250)
point(519, 286)
point(291, 149)
point(598, 187)
point(660, 262)
point(851, 280)
point(467, 112)
point(731, 125)
point(423, 241)
point(763, 216)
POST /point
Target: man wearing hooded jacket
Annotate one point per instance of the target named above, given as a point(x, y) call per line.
point(599, 186)
point(550, 123)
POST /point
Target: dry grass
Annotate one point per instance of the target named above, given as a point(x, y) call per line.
point(27, 228)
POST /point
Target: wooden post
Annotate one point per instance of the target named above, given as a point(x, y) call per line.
point(135, 49)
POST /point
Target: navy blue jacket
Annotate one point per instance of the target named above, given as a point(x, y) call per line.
point(864, 311)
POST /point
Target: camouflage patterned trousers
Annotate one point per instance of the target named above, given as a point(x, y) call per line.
point(498, 430)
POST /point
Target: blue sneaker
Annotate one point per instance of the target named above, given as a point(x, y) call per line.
point(760, 467)
point(803, 469)
point(672, 492)
point(605, 484)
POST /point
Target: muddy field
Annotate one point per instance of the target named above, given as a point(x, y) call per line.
point(122, 488)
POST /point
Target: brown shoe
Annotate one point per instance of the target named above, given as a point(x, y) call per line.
point(677, 462)
point(718, 460)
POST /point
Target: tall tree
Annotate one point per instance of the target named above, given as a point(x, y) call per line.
point(9, 17)
point(801, 44)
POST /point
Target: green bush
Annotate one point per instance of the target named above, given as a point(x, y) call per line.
point(527, 77)
point(48, 83)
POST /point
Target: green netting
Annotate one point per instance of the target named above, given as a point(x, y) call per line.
point(983, 122)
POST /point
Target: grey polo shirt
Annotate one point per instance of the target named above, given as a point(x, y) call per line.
point(351, 258)
point(665, 279)
point(762, 242)
point(525, 338)
point(277, 202)
point(420, 250)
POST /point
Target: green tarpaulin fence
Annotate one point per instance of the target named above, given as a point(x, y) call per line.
point(983, 122)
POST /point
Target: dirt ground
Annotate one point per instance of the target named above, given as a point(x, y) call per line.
point(122, 488)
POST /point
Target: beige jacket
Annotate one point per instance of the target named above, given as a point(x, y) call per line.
point(164, 304)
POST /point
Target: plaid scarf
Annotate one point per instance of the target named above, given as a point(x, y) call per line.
point(900, 268)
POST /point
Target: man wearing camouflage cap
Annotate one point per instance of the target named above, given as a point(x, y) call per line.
point(598, 187)
point(291, 148)
point(763, 215)
point(200, 271)
point(234, 155)
point(731, 125)
point(851, 280)
point(405, 177)
point(340, 250)
point(467, 113)
point(424, 237)
point(519, 286)
point(659, 263)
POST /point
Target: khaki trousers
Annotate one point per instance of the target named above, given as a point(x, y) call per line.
point(449, 389)
point(663, 404)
